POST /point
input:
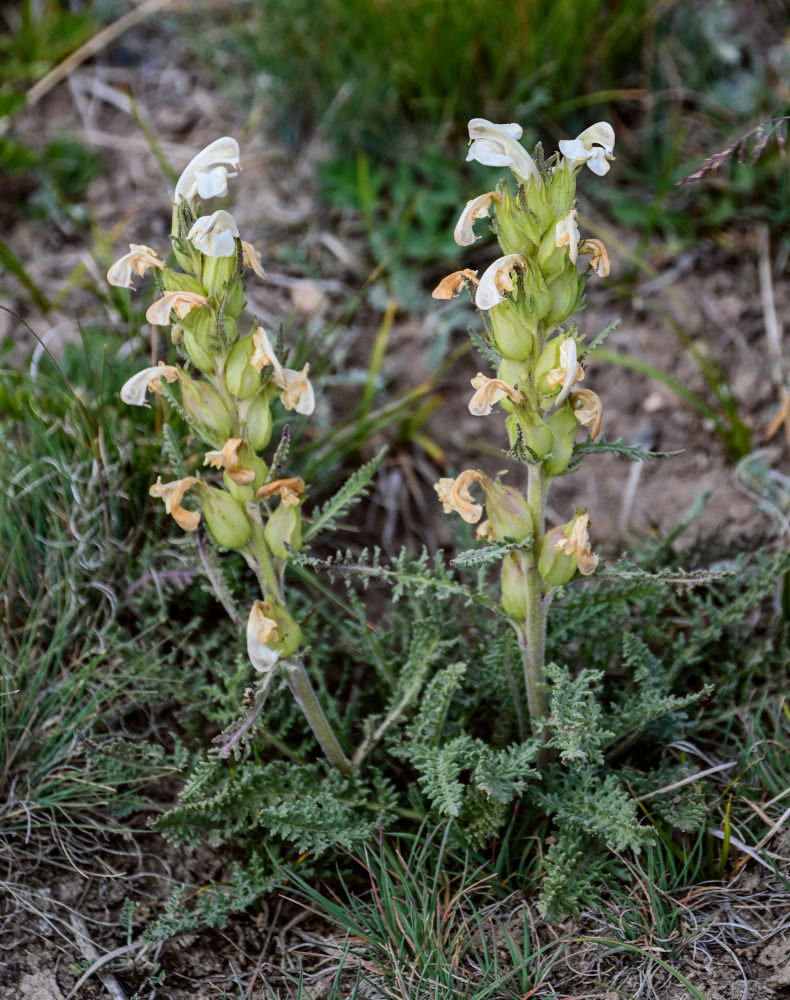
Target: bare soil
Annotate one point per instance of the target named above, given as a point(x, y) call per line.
point(736, 938)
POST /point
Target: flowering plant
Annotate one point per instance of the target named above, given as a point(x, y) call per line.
point(527, 298)
point(228, 382)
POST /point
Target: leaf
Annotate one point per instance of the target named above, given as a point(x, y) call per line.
point(349, 494)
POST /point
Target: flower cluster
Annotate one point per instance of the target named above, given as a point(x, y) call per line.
point(227, 382)
point(525, 297)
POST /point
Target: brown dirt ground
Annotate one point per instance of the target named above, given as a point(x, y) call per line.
point(712, 290)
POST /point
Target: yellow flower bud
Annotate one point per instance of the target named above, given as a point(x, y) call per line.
point(226, 518)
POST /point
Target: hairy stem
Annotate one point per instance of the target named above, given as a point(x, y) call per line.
point(303, 691)
point(532, 634)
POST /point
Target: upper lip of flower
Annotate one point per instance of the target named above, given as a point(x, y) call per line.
point(215, 235)
point(134, 389)
point(490, 391)
point(158, 313)
point(496, 146)
point(475, 209)
point(566, 234)
point(207, 173)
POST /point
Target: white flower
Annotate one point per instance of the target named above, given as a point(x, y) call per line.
point(496, 146)
point(263, 355)
point(568, 372)
point(477, 208)
point(497, 280)
point(588, 409)
point(594, 146)
point(180, 303)
point(260, 632)
point(290, 490)
point(215, 235)
point(566, 234)
point(207, 173)
point(148, 380)
point(228, 459)
point(489, 392)
point(137, 261)
point(252, 259)
point(577, 543)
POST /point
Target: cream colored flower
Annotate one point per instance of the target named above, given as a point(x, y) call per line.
point(207, 173)
point(136, 262)
point(454, 495)
point(477, 208)
point(496, 146)
point(263, 355)
point(260, 632)
point(588, 409)
point(215, 235)
point(497, 279)
point(568, 372)
point(599, 261)
point(566, 234)
point(454, 283)
point(172, 494)
point(578, 543)
point(178, 302)
point(489, 392)
point(134, 389)
point(297, 391)
point(228, 459)
point(594, 146)
point(252, 259)
point(290, 490)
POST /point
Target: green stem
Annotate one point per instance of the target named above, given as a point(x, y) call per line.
point(532, 634)
point(302, 690)
point(263, 565)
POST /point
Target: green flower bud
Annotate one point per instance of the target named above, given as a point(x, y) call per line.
point(226, 518)
point(537, 291)
point(175, 281)
point(513, 372)
point(507, 511)
point(283, 531)
point(241, 378)
point(554, 565)
point(513, 333)
point(234, 304)
point(197, 349)
point(288, 637)
point(535, 432)
point(564, 427)
point(514, 586)
point(564, 289)
point(517, 228)
point(217, 272)
point(548, 361)
point(204, 405)
point(550, 256)
point(562, 191)
point(256, 420)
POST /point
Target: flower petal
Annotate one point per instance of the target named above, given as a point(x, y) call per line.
point(497, 280)
point(496, 146)
point(489, 392)
point(588, 409)
point(215, 235)
point(134, 390)
point(297, 391)
point(454, 495)
point(136, 262)
point(566, 234)
point(464, 234)
point(181, 303)
point(261, 630)
point(263, 355)
point(172, 493)
point(252, 259)
point(290, 490)
point(453, 284)
point(600, 258)
point(207, 173)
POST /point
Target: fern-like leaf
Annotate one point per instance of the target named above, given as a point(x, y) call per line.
point(349, 494)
